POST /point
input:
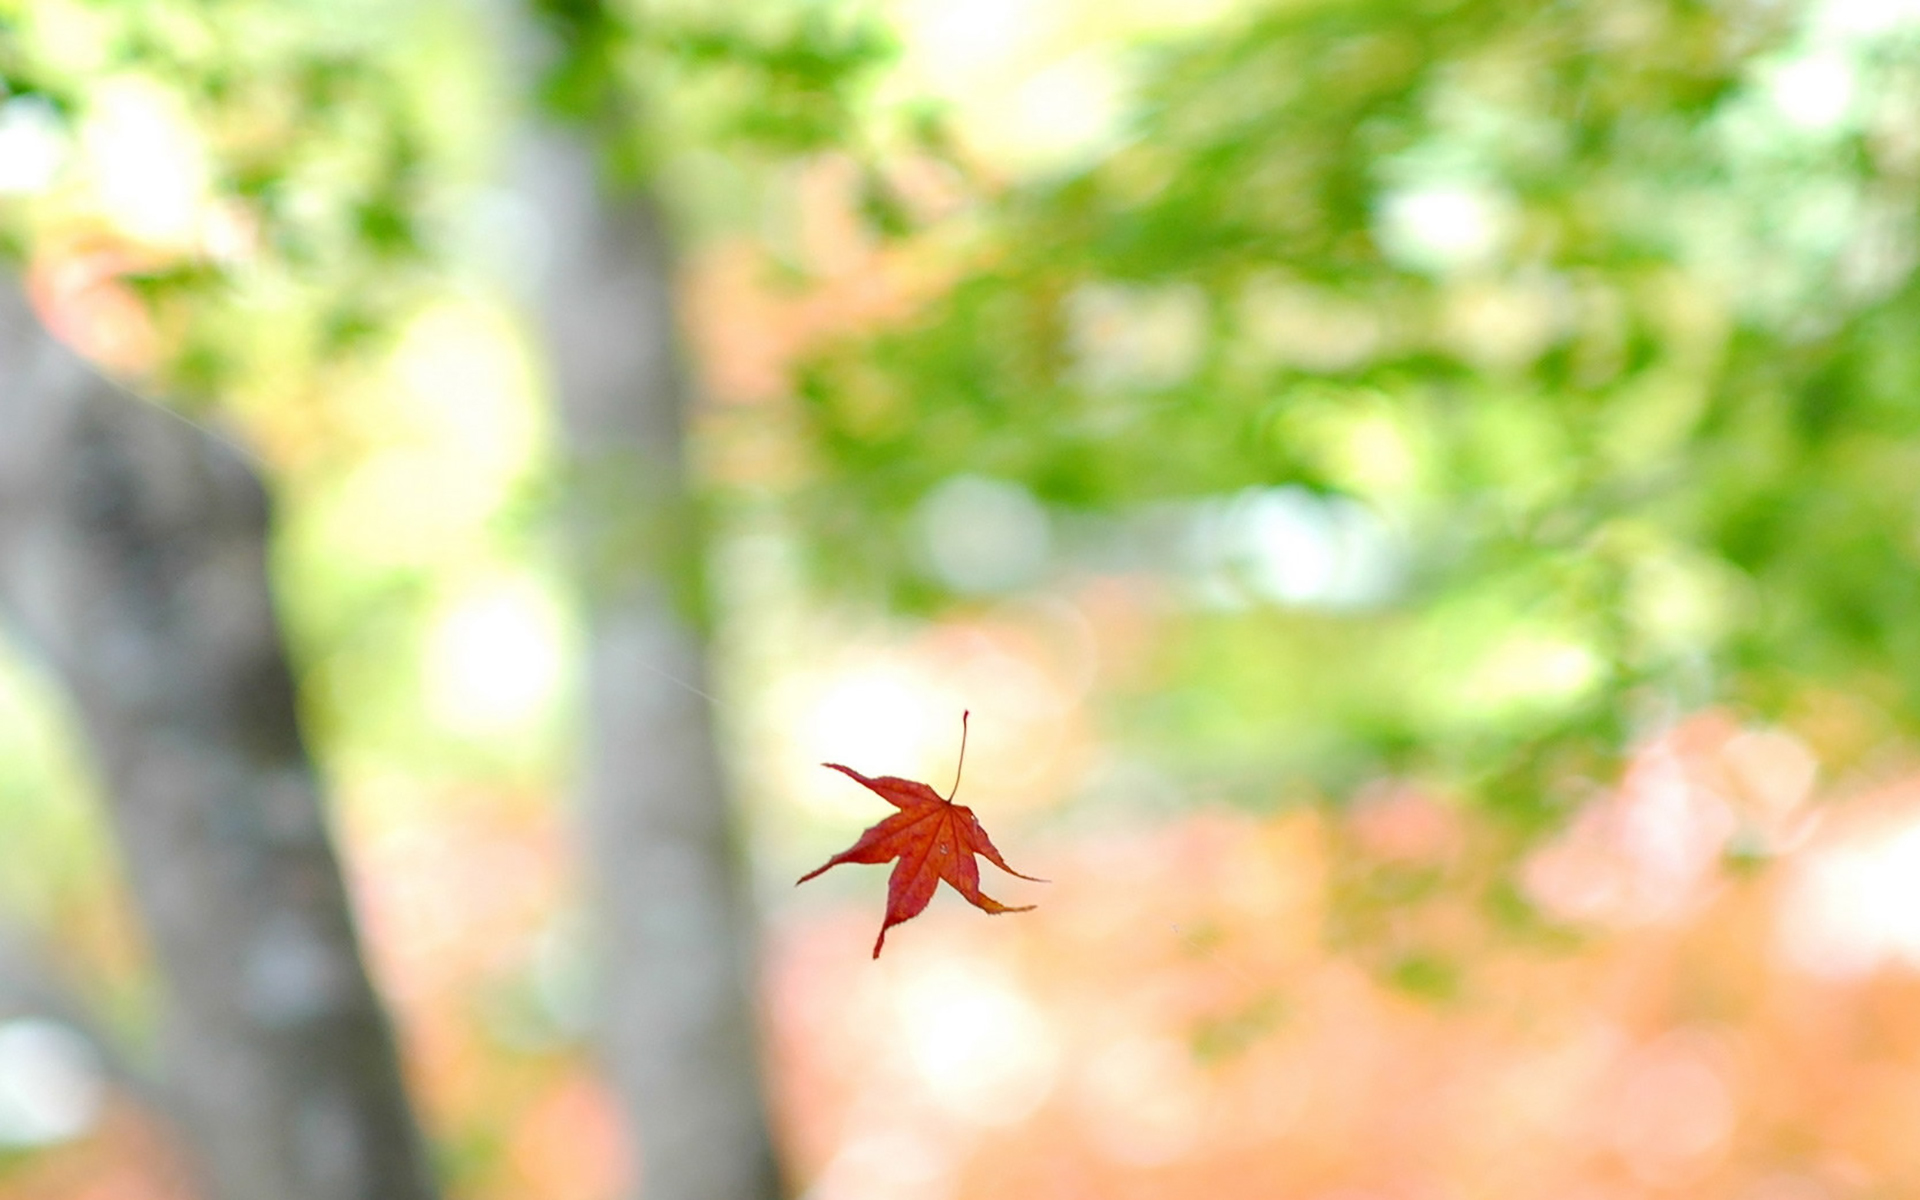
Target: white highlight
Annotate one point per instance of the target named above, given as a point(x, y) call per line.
point(1815, 93)
point(880, 713)
point(1864, 20)
point(979, 1046)
point(1441, 228)
point(1855, 906)
point(495, 658)
point(1069, 112)
point(958, 41)
point(51, 1087)
point(149, 169)
point(1289, 546)
point(1304, 549)
point(33, 145)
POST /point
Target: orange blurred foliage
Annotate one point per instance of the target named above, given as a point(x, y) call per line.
point(1338, 1003)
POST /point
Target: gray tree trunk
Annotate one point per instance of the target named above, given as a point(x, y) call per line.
point(132, 556)
point(680, 1029)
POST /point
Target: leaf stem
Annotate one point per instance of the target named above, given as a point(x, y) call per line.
point(959, 766)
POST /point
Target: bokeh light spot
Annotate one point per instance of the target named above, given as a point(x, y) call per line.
point(978, 1044)
point(495, 658)
point(51, 1087)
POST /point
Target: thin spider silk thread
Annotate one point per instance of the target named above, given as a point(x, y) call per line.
point(709, 697)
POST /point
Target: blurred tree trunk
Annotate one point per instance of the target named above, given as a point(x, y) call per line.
point(680, 1030)
point(132, 556)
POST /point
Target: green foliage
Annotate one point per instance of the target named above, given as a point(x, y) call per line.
point(322, 156)
point(345, 139)
point(653, 79)
point(1638, 401)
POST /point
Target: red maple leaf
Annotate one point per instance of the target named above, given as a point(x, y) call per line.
point(933, 838)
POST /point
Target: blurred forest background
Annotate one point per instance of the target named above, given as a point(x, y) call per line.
point(1421, 497)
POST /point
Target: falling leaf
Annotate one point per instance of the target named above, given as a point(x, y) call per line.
point(933, 838)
